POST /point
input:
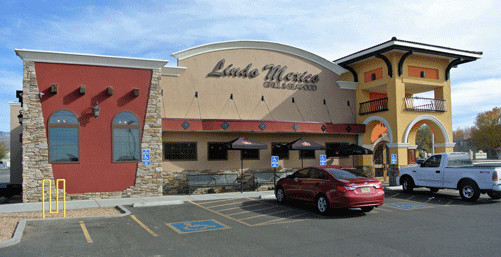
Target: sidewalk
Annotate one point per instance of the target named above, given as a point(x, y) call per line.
point(135, 202)
point(147, 201)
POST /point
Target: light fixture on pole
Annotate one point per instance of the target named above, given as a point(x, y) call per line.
point(96, 109)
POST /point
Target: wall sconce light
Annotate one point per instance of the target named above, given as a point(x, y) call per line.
point(373, 76)
point(82, 90)
point(109, 90)
point(136, 91)
point(96, 109)
point(293, 100)
point(196, 94)
point(53, 88)
point(20, 117)
point(231, 96)
point(423, 74)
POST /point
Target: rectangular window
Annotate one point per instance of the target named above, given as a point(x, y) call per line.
point(217, 151)
point(249, 154)
point(281, 150)
point(335, 150)
point(307, 154)
point(186, 151)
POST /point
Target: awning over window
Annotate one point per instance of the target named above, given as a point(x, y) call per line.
point(243, 143)
point(351, 149)
point(303, 144)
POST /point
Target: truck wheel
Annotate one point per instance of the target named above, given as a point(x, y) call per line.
point(469, 191)
point(407, 184)
point(494, 194)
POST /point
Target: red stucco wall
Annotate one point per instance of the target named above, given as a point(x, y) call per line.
point(95, 172)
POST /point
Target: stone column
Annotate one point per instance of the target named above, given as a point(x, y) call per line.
point(36, 166)
point(149, 178)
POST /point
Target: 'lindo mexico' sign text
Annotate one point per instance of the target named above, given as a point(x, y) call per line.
point(276, 76)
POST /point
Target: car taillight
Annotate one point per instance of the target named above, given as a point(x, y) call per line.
point(378, 185)
point(495, 176)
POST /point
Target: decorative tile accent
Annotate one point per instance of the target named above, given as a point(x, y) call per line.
point(324, 128)
point(262, 126)
point(185, 125)
point(295, 127)
point(225, 125)
point(348, 128)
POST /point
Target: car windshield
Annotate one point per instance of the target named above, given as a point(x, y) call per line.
point(346, 174)
point(458, 160)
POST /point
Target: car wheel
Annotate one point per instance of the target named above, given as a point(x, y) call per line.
point(280, 195)
point(433, 189)
point(367, 209)
point(494, 194)
point(407, 184)
point(322, 205)
point(469, 191)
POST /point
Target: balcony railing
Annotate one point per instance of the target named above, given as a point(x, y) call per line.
point(373, 106)
point(424, 104)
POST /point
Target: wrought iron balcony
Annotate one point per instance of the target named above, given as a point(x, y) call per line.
point(373, 106)
point(424, 104)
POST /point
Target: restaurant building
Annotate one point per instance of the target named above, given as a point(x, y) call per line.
point(128, 127)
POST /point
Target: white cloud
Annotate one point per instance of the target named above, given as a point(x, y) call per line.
point(471, 98)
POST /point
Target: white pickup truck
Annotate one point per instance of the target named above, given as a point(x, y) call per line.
point(454, 171)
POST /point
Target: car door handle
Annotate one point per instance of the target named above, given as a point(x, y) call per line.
point(437, 171)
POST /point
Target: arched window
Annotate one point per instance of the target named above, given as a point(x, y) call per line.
point(126, 143)
point(64, 137)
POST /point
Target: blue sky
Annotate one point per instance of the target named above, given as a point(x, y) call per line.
point(331, 29)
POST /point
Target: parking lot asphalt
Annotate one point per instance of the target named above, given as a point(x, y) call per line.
point(416, 224)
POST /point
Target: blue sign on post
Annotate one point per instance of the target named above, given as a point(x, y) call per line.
point(146, 157)
point(393, 159)
point(323, 160)
point(274, 161)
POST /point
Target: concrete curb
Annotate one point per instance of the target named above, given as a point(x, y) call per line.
point(162, 203)
point(18, 233)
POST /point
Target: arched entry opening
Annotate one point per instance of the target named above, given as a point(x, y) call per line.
point(377, 138)
point(439, 136)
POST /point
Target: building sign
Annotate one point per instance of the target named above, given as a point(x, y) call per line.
point(276, 76)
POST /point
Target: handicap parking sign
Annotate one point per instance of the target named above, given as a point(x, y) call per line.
point(323, 160)
point(146, 157)
point(274, 161)
point(393, 159)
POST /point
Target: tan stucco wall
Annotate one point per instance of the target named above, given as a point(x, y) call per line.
point(214, 92)
point(264, 162)
point(16, 150)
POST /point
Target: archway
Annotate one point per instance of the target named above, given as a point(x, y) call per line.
point(440, 137)
point(377, 137)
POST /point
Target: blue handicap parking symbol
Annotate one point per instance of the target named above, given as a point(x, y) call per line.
point(405, 206)
point(323, 160)
point(274, 161)
point(196, 226)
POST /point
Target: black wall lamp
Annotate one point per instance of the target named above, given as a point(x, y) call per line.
point(96, 109)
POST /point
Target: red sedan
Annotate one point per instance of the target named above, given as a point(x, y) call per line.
point(331, 187)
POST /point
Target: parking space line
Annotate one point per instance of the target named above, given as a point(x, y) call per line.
point(226, 204)
point(217, 201)
point(275, 220)
point(218, 213)
point(262, 209)
point(144, 226)
point(238, 207)
point(86, 233)
point(395, 195)
point(265, 214)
